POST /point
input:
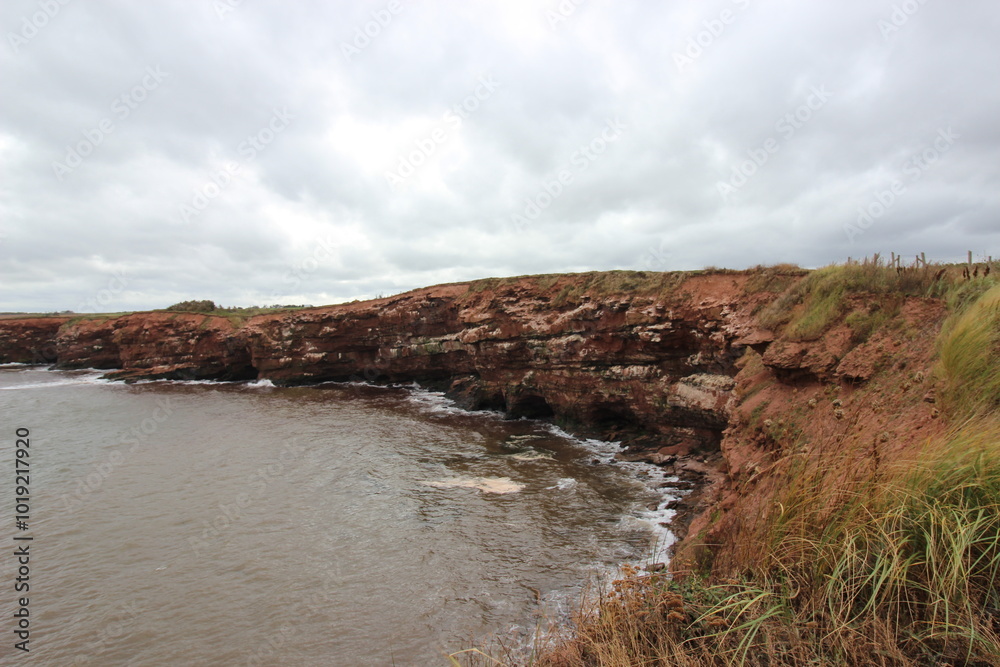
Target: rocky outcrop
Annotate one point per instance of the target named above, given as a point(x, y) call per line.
point(621, 365)
point(87, 344)
point(157, 345)
point(29, 340)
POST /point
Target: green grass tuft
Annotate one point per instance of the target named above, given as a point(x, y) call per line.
point(824, 295)
point(970, 357)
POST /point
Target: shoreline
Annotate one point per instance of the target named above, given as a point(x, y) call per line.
point(644, 359)
point(651, 478)
point(681, 498)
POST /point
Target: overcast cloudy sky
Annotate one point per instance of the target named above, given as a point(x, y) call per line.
point(314, 152)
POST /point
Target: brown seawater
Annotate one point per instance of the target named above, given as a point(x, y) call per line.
point(232, 524)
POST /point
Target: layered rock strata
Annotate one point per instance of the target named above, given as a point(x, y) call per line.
point(649, 360)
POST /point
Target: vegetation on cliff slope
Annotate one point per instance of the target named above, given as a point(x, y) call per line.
point(813, 304)
point(869, 563)
point(970, 356)
point(903, 573)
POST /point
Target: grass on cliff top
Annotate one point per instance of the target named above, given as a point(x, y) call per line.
point(776, 278)
point(811, 306)
point(249, 311)
point(236, 316)
point(239, 316)
point(893, 566)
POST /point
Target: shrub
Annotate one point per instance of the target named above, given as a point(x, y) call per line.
point(205, 306)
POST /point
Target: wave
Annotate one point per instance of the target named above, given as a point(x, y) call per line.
point(652, 477)
point(355, 383)
point(184, 382)
point(531, 455)
point(656, 520)
point(93, 377)
point(437, 402)
point(432, 402)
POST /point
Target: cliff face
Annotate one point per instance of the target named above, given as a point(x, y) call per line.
point(641, 364)
point(677, 366)
point(29, 340)
point(818, 415)
point(647, 359)
point(157, 345)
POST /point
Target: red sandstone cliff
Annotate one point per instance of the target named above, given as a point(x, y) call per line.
point(676, 365)
point(818, 414)
point(29, 340)
point(654, 356)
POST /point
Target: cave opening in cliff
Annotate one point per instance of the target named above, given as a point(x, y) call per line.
point(531, 406)
point(246, 373)
point(607, 415)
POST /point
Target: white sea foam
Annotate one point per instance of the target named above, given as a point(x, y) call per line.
point(355, 383)
point(182, 382)
point(532, 455)
point(604, 449)
point(655, 520)
point(650, 476)
point(263, 384)
point(434, 402)
point(499, 485)
point(205, 382)
point(76, 380)
point(564, 483)
point(647, 475)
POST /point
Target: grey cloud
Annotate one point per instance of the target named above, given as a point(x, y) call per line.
point(651, 200)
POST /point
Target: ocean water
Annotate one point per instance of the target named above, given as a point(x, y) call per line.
point(245, 524)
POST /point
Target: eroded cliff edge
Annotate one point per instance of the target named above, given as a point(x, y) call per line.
point(651, 359)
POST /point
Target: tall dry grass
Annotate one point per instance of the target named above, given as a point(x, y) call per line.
point(905, 572)
point(970, 357)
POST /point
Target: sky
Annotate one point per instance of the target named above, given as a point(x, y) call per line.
point(255, 152)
